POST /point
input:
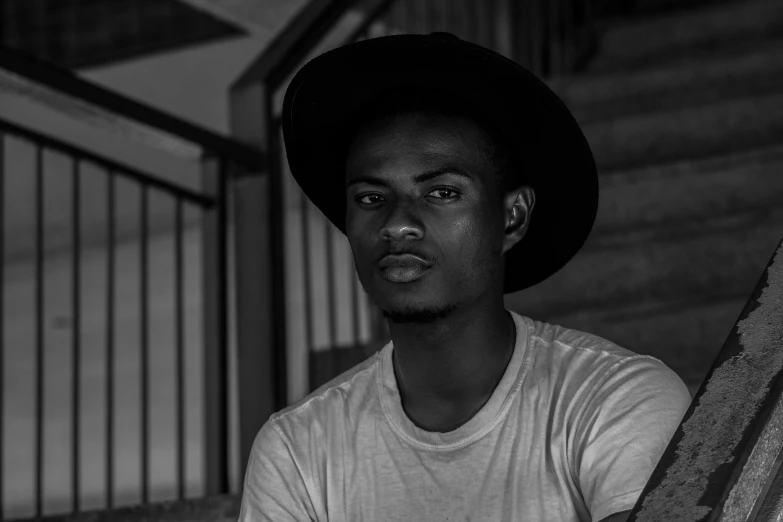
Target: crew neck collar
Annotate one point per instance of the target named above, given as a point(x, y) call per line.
point(480, 424)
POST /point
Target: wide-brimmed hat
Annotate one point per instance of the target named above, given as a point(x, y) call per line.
point(328, 93)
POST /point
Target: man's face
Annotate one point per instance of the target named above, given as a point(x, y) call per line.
point(454, 222)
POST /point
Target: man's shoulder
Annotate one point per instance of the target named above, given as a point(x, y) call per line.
point(589, 357)
point(343, 394)
point(550, 336)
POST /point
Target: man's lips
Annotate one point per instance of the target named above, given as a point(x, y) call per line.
point(401, 261)
point(402, 268)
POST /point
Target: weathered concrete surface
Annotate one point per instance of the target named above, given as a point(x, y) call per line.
point(600, 97)
point(756, 470)
point(727, 259)
point(688, 191)
point(211, 509)
point(670, 37)
point(692, 132)
point(724, 409)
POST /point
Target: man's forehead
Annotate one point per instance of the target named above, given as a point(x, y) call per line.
point(417, 176)
point(430, 145)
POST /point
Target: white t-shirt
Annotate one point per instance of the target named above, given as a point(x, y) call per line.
point(572, 432)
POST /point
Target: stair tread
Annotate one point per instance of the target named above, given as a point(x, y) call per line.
point(683, 113)
point(729, 258)
point(691, 192)
point(696, 132)
point(607, 95)
point(675, 33)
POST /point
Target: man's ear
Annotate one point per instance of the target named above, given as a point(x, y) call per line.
point(517, 209)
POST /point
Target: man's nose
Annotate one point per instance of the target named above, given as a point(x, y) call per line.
point(402, 223)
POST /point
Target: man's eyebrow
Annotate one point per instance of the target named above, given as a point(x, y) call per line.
point(419, 178)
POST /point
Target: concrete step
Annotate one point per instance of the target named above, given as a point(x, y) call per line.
point(692, 132)
point(727, 257)
point(688, 35)
point(685, 334)
point(687, 197)
point(647, 7)
point(601, 97)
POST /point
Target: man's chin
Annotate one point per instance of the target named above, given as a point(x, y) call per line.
point(413, 314)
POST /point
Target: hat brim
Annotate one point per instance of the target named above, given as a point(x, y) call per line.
point(326, 93)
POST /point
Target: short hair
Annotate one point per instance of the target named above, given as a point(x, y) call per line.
point(398, 102)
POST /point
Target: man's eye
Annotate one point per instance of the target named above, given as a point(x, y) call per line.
point(450, 194)
point(454, 193)
point(361, 199)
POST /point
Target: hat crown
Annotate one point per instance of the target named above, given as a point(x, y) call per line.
point(335, 88)
point(445, 36)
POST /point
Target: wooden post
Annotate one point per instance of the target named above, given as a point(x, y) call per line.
point(726, 448)
point(260, 303)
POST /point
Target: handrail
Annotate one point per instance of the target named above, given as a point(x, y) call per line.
point(121, 169)
point(114, 105)
point(721, 460)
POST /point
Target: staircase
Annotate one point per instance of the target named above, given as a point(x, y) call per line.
point(684, 113)
point(683, 108)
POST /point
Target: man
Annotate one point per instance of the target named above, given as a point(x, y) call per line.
point(457, 176)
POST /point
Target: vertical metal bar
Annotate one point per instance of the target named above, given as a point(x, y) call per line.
point(179, 341)
point(215, 328)
point(308, 300)
point(76, 334)
point(110, 291)
point(39, 338)
point(222, 319)
point(331, 296)
point(2, 321)
point(277, 232)
point(143, 305)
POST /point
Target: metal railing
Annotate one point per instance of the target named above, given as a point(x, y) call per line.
point(135, 269)
point(549, 37)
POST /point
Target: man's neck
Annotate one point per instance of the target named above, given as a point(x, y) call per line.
point(447, 371)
